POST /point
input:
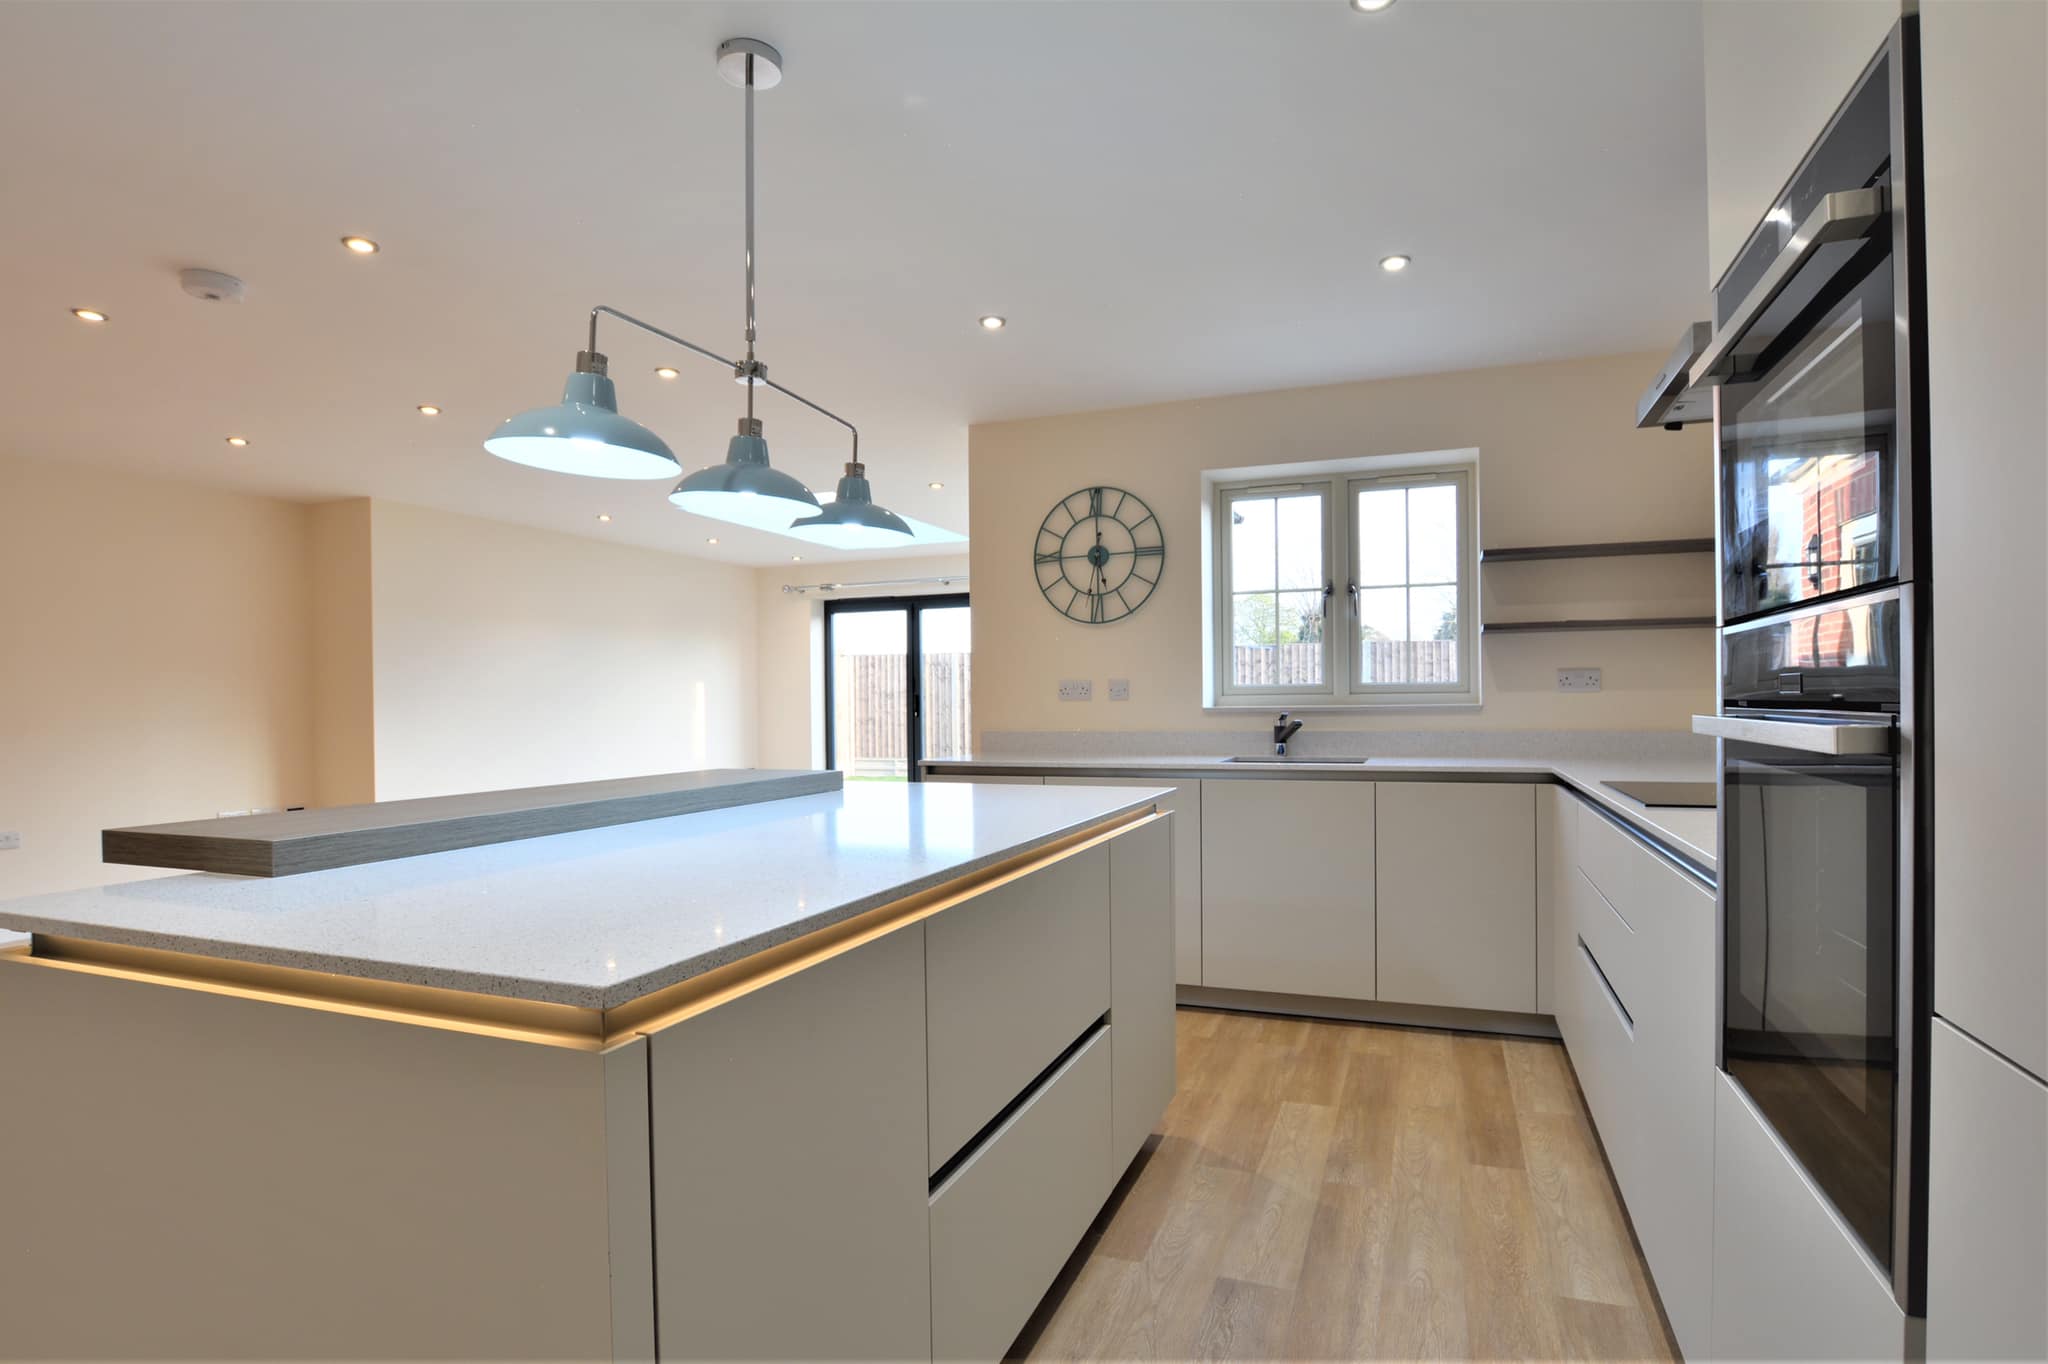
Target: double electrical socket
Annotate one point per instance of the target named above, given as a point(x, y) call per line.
point(1578, 679)
point(1082, 689)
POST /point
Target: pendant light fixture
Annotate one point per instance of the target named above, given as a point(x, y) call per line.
point(585, 433)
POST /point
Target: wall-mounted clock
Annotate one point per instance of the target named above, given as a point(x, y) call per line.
point(1099, 554)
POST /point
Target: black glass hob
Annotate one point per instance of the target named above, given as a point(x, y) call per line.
point(1690, 795)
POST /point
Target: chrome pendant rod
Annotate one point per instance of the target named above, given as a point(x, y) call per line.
point(822, 411)
point(750, 206)
point(696, 349)
point(750, 232)
point(630, 320)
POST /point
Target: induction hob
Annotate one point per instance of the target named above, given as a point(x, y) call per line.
point(1689, 795)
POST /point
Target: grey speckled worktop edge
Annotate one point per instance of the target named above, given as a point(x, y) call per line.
point(1566, 772)
point(562, 992)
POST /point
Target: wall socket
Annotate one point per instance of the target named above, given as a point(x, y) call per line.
point(1082, 690)
point(1119, 688)
point(1578, 679)
point(10, 840)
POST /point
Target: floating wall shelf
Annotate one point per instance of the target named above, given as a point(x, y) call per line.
point(1616, 550)
point(1517, 627)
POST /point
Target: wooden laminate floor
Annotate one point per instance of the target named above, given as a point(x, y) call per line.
point(1349, 1191)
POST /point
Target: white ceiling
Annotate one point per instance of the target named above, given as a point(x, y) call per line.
point(1166, 199)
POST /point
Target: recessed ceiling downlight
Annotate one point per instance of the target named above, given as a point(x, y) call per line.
point(361, 246)
point(88, 314)
point(1371, 6)
point(429, 410)
point(665, 372)
point(1393, 265)
point(238, 441)
point(992, 323)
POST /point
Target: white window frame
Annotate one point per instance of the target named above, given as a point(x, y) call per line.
point(1339, 483)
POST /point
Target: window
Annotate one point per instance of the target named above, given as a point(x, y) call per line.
point(1348, 588)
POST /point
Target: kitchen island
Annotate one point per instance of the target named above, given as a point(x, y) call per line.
point(844, 1075)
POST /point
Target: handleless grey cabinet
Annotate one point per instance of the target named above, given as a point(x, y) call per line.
point(1287, 886)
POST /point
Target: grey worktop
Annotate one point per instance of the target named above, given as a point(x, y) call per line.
point(600, 917)
point(1688, 834)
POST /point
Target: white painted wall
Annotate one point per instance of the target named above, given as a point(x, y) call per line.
point(790, 646)
point(506, 656)
point(1560, 463)
point(154, 661)
point(1775, 70)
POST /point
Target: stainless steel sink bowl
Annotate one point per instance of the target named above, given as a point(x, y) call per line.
point(1293, 761)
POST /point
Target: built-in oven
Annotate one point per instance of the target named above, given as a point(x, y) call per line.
point(1818, 369)
point(1813, 352)
point(1815, 778)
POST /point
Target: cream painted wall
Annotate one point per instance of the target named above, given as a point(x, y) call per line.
point(156, 663)
point(344, 683)
point(506, 656)
point(1561, 463)
point(791, 635)
point(1775, 70)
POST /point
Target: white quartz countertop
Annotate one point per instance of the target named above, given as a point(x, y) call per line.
point(600, 917)
point(1688, 833)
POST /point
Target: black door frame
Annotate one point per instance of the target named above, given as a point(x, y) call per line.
point(914, 604)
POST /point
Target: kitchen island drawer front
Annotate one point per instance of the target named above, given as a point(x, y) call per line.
point(1005, 1221)
point(1012, 977)
point(788, 1148)
point(1184, 801)
point(1141, 979)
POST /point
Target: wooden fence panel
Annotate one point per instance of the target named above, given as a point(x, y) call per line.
point(871, 699)
point(1386, 660)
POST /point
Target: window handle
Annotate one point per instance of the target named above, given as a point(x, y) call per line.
point(1329, 590)
point(1351, 591)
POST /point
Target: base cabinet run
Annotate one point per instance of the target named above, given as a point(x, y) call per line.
point(752, 1175)
point(1632, 961)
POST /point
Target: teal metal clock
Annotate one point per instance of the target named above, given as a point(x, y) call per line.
point(1099, 554)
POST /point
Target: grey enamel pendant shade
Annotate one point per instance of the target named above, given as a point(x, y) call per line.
point(853, 521)
point(746, 489)
point(584, 433)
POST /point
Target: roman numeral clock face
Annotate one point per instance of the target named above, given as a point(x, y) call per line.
point(1099, 555)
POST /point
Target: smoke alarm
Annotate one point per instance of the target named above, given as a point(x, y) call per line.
point(211, 285)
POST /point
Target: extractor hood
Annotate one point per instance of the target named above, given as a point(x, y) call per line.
point(1669, 402)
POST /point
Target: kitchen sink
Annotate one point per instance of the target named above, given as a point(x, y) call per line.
point(1302, 762)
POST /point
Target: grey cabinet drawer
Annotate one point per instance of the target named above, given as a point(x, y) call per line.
point(1004, 1222)
point(1012, 978)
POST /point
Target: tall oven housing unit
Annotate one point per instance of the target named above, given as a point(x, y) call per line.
point(1818, 374)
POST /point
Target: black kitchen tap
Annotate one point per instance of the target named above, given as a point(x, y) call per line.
point(1283, 730)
